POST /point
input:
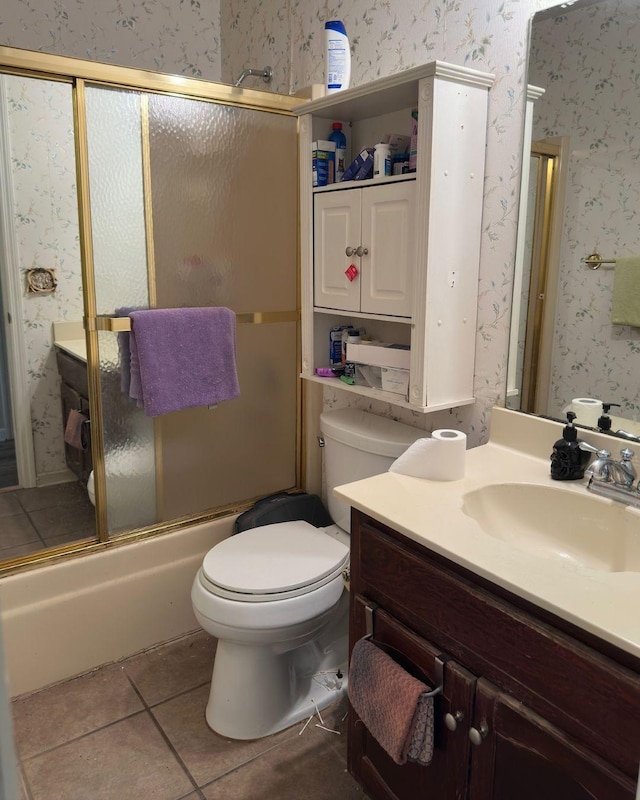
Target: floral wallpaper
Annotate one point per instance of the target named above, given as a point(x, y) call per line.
point(214, 39)
point(176, 36)
point(41, 147)
point(591, 96)
point(385, 38)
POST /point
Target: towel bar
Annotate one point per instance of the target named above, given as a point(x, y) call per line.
point(120, 324)
point(595, 261)
point(440, 660)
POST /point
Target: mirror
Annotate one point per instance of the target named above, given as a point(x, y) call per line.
point(580, 196)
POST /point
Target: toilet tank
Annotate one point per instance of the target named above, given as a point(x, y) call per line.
point(358, 445)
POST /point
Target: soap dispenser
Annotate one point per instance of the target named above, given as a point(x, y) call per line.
point(604, 421)
point(568, 461)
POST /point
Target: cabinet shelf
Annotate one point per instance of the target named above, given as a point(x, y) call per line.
point(415, 247)
point(378, 394)
point(342, 185)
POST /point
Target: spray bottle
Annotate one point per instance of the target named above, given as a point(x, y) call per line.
point(338, 59)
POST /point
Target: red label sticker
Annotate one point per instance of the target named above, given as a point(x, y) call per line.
point(351, 272)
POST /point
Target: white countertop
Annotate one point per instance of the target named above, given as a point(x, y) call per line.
point(75, 347)
point(69, 336)
point(430, 512)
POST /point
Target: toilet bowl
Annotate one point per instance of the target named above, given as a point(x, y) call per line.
point(275, 598)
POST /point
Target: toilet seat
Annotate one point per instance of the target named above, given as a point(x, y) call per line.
point(273, 562)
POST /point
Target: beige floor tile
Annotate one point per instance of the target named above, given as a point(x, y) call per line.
point(9, 504)
point(63, 712)
point(172, 668)
point(205, 754)
point(77, 521)
point(306, 766)
point(17, 530)
point(126, 761)
point(51, 496)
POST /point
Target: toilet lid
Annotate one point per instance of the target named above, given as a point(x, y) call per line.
point(274, 558)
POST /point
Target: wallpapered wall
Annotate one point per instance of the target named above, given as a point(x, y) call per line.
point(589, 64)
point(387, 37)
point(212, 39)
point(45, 212)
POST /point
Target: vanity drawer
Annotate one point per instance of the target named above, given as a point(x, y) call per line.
point(73, 371)
point(580, 690)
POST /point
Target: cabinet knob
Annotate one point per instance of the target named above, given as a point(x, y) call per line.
point(477, 735)
point(452, 720)
point(350, 251)
point(362, 251)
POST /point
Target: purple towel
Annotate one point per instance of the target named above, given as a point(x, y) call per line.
point(182, 357)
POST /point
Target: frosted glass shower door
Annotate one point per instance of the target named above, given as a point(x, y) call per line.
point(193, 204)
point(224, 204)
point(116, 183)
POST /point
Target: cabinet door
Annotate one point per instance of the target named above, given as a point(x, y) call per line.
point(521, 755)
point(388, 235)
point(336, 226)
point(445, 778)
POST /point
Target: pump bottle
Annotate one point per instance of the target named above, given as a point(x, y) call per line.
point(568, 461)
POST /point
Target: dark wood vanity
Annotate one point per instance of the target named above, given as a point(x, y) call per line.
point(74, 394)
point(552, 712)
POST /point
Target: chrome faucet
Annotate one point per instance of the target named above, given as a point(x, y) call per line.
point(611, 478)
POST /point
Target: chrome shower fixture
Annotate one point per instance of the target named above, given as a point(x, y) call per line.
point(266, 74)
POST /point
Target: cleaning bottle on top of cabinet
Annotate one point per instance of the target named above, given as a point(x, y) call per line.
point(568, 461)
point(340, 140)
point(338, 56)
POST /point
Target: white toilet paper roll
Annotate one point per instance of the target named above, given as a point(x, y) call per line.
point(587, 411)
point(440, 458)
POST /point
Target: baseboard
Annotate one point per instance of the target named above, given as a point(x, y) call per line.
point(53, 478)
point(72, 616)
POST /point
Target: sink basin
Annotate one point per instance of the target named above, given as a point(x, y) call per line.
point(571, 527)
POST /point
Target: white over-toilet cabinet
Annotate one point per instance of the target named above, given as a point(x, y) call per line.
point(414, 239)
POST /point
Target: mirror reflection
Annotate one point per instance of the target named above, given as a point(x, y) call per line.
point(570, 347)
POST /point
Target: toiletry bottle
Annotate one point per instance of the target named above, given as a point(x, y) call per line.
point(382, 160)
point(568, 461)
point(338, 57)
point(340, 140)
point(604, 421)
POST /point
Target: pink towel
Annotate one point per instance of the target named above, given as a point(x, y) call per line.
point(390, 703)
point(182, 357)
point(73, 429)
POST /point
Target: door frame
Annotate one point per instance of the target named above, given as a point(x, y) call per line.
point(10, 286)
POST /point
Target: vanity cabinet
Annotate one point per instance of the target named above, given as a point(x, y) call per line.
point(74, 395)
point(417, 282)
point(539, 711)
point(373, 230)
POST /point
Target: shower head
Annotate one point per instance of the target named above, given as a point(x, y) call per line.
point(266, 74)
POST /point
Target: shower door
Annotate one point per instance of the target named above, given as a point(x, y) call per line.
point(193, 203)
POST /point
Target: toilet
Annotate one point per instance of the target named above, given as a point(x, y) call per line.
point(274, 595)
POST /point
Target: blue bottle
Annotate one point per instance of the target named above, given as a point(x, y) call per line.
point(340, 140)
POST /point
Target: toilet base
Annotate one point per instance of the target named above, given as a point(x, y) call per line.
point(257, 690)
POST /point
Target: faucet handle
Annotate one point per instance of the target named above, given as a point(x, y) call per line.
point(627, 454)
point(589, 448)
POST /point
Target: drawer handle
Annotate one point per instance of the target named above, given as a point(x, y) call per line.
point(478, 735)
point(452, 720)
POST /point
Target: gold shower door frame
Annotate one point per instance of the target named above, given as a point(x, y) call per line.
point(83, 75)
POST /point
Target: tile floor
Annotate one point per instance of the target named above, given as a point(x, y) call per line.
point(135, 730)
point(49, 516)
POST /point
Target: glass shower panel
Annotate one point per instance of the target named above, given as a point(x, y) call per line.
point(116, 181)
point(224, 202)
